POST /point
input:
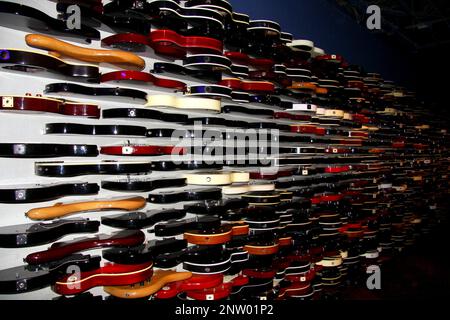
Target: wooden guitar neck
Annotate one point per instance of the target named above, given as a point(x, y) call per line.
point(58, 48)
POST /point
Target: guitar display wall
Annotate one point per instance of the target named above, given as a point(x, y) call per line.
point(358, 168)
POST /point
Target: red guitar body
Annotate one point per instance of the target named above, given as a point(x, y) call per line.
point(219, 292)
point(138, 150)
point(167, 42)
point(196, 282)
point(130, 75)
point(250, 86)
point(242, 58)
point(40, 104)
point(59, 250)
point(109, 275)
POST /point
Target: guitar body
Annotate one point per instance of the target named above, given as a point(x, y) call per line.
point(242, 58)
point(42, 150)
point(100, 130)
point(61, 209)
point(108, 275)
point(142, 185)
point(191, 195)
point(209, 237)
point(207, 62)
point(27, 235)
point(115, 94)
point(175, 70)
point(221, 291)
point(135, 113)
point(176, 227)
point(159, 279)
point(133, 42)
point(142, 150)
point(191, 22)
point(40, 193)
point(143, 78)
point(29, 278)
point(140, 220)
point(185, 165)
point(59, 250)
point(196, 282)
point(145, 252)
point(189, 103)
point(35, 62)
point(165, 42)
point(28, 19)
point(250, 86)
point(219, 208)
point(70, 169)
point(41, 104)
point(60, 48)
point(211, 91)
point(296, 290)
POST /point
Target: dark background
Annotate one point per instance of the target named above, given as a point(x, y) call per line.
point(422, 272)
point(424, 70)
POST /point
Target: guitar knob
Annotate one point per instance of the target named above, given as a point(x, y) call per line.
point(4, 55)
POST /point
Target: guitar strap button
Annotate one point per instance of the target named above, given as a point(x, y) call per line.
point(19, 149)
point(21, 239)
point(19, 194)
point(21, 285)
point(7, 102)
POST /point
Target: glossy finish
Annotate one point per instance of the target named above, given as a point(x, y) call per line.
point(41, 104)
point(142, 77)
point(46, 192)
point(34, 234)
point(30, 19)
point(108, 275)
point(63, 209)
point(142, 185)
point(42, 150)
point(32, 61)
point(130, 95)
point(196, 282)
point(28, 278)
point(142, 150)
point(140, 220)
point(165, 42)
point(59, 250)
point(145, 252)
point(71, 169)
point(60, 48)
point(159, 279)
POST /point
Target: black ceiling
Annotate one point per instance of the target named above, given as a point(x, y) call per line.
point(416, 24)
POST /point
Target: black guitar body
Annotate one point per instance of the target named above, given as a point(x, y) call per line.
point(42, 64)
point(29, 278)
point(28, 235)
point(29, 19)
point(41, 193)
point(140, 220)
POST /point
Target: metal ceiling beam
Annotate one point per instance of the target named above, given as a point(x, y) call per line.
point(362, 5)
point(428, 23)
point(434, 44)
point(393, 18)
